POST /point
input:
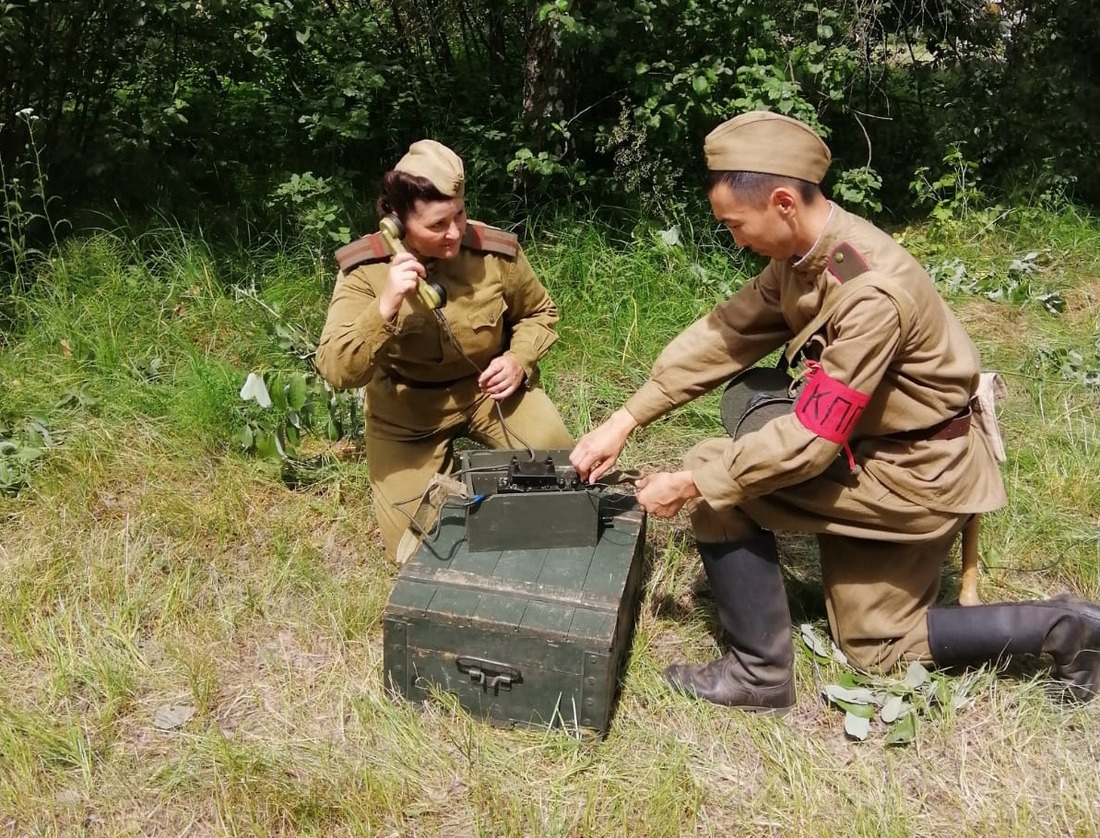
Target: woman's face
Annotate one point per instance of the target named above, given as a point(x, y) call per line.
point(434, 229)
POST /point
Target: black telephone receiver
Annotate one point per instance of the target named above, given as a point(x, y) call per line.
point(431, 294)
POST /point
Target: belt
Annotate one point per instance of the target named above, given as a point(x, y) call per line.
point(397, 378)
point(953, 428)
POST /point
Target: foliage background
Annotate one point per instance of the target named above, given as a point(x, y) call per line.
point(178, 105)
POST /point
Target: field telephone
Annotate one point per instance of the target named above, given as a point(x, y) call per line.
point(431, 294)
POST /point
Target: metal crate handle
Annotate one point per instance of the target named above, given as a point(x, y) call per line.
point(489, 675)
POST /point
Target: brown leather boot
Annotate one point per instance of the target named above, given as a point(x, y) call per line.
point(758, 672)
point(1066, 628)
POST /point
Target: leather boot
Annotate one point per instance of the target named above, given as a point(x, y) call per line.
point(758, 672)
point(1067, 629)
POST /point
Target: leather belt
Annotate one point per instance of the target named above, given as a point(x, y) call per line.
point(397, 378)
point(953, 428)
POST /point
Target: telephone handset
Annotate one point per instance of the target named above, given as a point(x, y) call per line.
point(431, 294)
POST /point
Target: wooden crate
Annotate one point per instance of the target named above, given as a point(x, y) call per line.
point(529, 636)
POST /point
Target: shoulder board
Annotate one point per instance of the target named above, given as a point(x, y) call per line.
point(370, 248)
point(891, 286)
point(482, 237)
point(845, 263)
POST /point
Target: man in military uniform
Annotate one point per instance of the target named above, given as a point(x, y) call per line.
point(468, 368)
point(887, 383)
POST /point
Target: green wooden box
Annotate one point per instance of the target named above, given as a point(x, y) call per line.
point(531, 637)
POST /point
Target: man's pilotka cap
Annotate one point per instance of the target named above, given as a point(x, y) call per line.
point(438, 164)
point(761, 141)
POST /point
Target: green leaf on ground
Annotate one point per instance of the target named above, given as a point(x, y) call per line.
point(903, 731)
point(915, 675)
point(858, 727)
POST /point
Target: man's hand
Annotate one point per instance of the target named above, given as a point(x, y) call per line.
point(596, 452)
point(664, 493)
point(501, 378)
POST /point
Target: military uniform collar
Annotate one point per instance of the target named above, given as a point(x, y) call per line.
point(817, 259)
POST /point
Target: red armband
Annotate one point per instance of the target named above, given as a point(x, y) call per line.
point(829, 408)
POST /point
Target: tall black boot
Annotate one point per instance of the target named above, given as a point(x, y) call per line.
point(1067, 629)
point(758, 671)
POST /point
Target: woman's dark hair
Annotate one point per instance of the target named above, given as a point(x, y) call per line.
point(755, 187)
point(400, 190)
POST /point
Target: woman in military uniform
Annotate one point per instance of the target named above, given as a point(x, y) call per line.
point(888, 389)
point(467, 368)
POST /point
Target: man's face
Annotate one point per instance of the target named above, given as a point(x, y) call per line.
point(765, 229)
point(434, 228)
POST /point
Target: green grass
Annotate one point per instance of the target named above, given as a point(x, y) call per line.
point(147, 563)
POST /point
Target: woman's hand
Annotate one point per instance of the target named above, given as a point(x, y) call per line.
point(501, 378)
point(664, 493)
point(405, 272)
point(596, 452)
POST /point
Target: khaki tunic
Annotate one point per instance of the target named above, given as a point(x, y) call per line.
point(915, 494)
point(421, 389)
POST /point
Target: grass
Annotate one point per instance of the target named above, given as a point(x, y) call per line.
point(148, 564)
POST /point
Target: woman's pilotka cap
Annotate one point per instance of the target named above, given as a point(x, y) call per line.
point(434, 161)
point(770, 143)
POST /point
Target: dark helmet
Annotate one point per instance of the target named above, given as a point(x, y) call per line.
point(754, 397)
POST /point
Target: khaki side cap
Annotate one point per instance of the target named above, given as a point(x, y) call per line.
point(770, 143)
point(434, 161)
